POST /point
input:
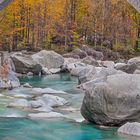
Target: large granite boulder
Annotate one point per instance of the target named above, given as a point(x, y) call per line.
point(114, 101)
point(25, 63)
point(49, 59)
point(132, 129)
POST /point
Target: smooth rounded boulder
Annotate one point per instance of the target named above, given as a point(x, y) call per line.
point(114, 101)
point(49, 59)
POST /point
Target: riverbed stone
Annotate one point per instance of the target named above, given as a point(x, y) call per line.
point(27, 85)
point(46, 91)
point(52, 101)
point(132, 129)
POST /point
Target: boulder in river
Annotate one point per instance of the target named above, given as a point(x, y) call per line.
point(114, 101)
point(25, 63)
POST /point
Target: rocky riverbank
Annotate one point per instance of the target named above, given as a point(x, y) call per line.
point(111, 89)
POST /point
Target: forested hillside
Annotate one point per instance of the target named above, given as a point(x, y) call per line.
point(40, 24)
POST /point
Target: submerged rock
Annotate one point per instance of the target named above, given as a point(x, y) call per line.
point(22, 103)
point(47, 91)
point(52, 101)
point(27, 85)
point(113, 101)
point(45, 115)
point(130, 129)
point(44, 103)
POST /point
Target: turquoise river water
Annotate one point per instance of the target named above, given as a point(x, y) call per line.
point(12, 128)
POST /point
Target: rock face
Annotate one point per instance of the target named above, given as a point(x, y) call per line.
point(25, 63)
point(113, 101)
point(130, 129)
point(49, 59)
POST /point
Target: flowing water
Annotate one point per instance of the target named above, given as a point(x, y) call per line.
point(12, 128)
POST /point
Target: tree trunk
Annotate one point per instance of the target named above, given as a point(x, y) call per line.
point(2, 58)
